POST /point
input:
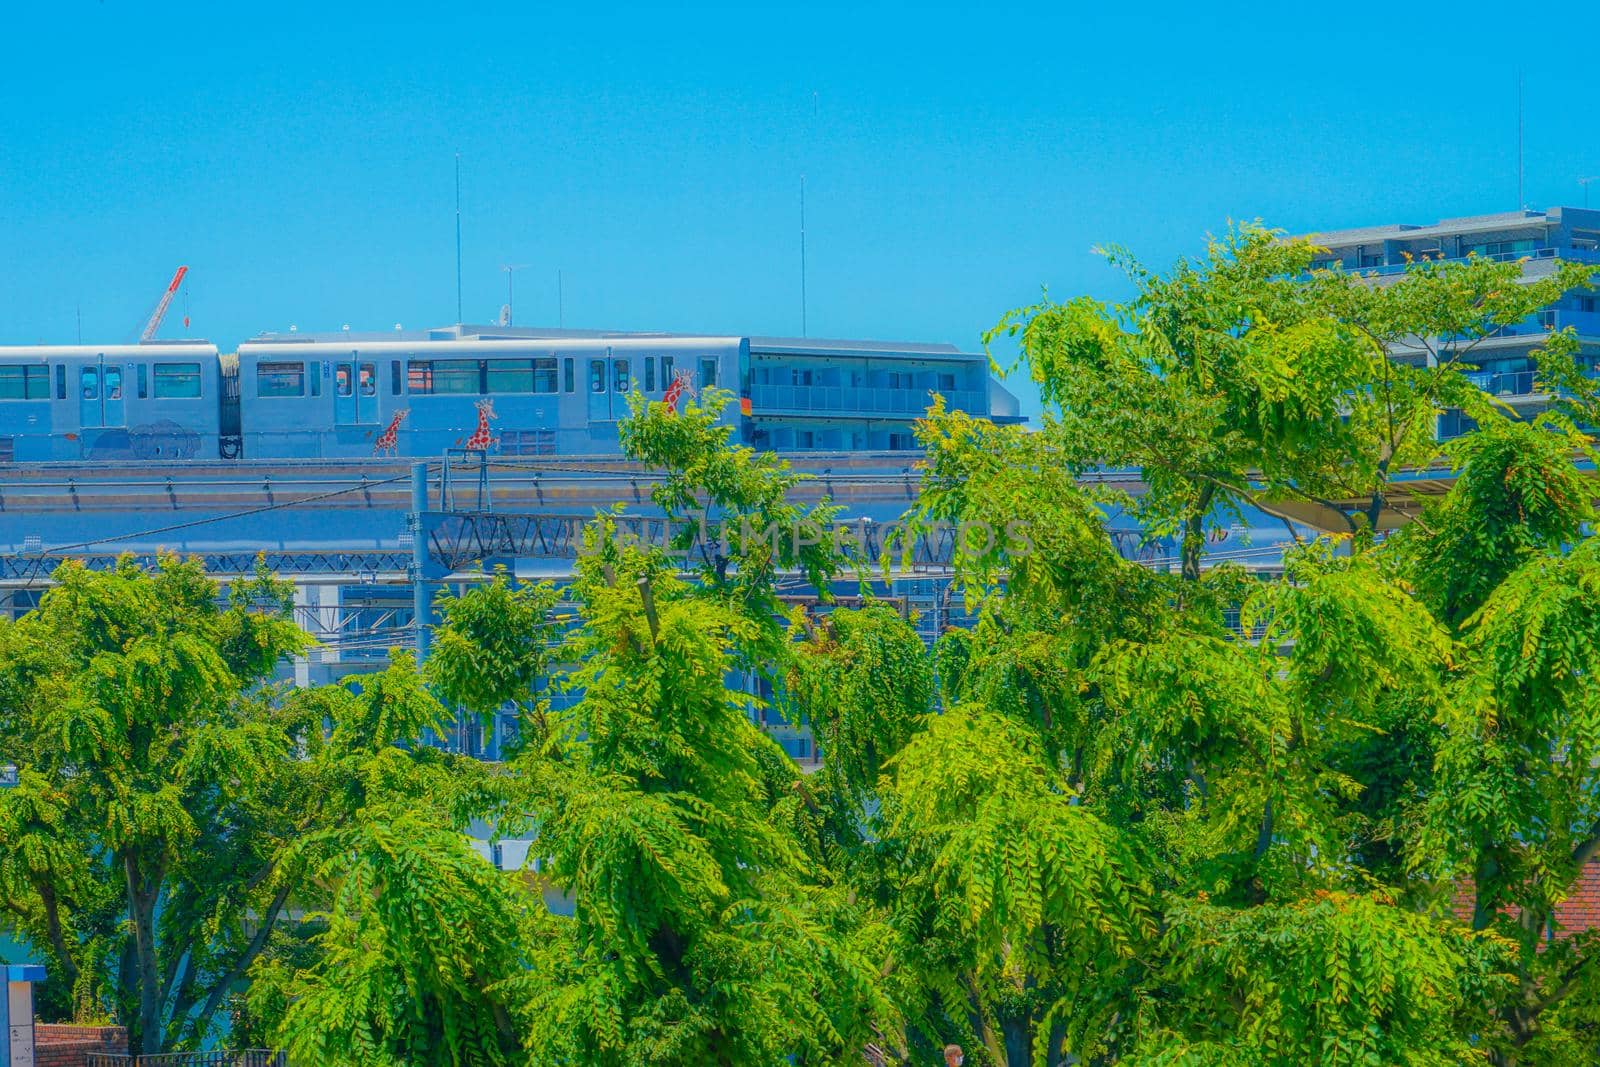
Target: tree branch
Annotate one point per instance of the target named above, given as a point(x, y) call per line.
point(247, 957)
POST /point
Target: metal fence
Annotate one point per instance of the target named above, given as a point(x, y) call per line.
point(248, 1057)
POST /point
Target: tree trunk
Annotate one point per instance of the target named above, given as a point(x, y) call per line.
point(146, 1038)
point(1194, 535)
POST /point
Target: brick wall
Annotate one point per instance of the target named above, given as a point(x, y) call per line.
point(1578, 912)
point(59, 1045)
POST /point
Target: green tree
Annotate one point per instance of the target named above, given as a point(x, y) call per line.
point(1245, 377)
point(492, 650)
point(156, 788)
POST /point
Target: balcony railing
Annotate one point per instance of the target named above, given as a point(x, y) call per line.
point(1503, 383)
point(860, 400)
point(1576, 255)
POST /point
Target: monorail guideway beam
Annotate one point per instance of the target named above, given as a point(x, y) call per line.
point(453, 542)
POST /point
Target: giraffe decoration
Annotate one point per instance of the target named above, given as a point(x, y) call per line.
point(682, 382)
point(388, 441)
point(481, 439)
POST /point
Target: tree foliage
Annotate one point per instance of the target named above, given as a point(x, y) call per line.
point(1327, 815)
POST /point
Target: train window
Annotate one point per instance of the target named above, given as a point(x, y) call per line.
point(369, 379)
point(511, 376)
point(177, 381)
point(443, 376)
point(649, 374)
point(597, 376)
point(89, 380)
point(544, 375)
point(621, 384)
point(666, 371)
point(343, 385)
point(144, 381)
point(23, 382)
point(522, 375)
point(566, 370)
point(316, 379)
point(708, 372)
point(113, 378)
point(61, 382)
point(280, 379)
point(394, 377)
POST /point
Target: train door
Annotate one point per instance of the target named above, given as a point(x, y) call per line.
point(366, 393)
point(355, 393)
point(621, 386)
point(100, 402)
point(599, 397)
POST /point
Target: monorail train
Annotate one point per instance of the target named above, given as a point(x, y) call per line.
point(315, 399)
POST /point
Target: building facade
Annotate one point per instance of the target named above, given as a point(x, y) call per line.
point(1502, 363)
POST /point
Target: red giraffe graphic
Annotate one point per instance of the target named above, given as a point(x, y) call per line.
point(388, 441)
point(682, 382)
point(481, 438)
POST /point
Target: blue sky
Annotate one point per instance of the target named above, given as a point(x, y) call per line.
point(299, 158)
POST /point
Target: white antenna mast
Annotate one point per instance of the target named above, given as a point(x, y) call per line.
point(1521, 204)
point(1586, 182)
point(458, 236)
point(802, 255)
point(803, 325)
point(511, 270)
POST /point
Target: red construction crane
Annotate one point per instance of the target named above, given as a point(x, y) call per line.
point(156, 316)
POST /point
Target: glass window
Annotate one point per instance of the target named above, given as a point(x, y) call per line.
point(113, 382)
point(544, 375)
point(61, 382)
point(597, 376)
point(522, 375)
point(649, 374)
point(708, 372)
point(177, 381)
point(666, 371)
point(453, 376)
point(89, 381)
point(511, 376)
point(947, 381)
point(316, 379)
point(394, 377)
point(144, 381)
point(1503, 248)
point(568, 385)
point(344, 380)
point(280, 379)
point(21, 382)
point(621, 376)
point(369, 379)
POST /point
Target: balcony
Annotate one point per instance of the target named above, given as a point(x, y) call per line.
point(1540, 324)
point(858, 401)
point(1575, 255)
point(1503, 383)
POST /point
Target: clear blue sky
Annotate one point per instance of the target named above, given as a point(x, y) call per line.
point(299, 158)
